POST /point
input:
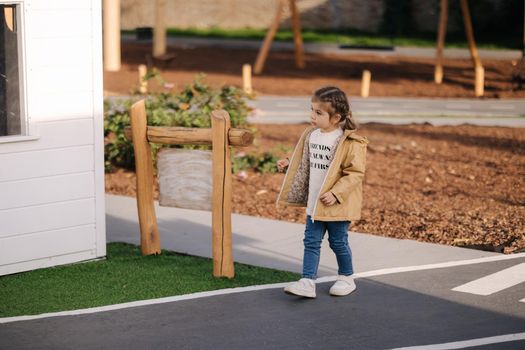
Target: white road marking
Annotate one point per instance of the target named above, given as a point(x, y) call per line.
point(495, 282)
point(522, 300)
point(259, 287)
point(468, 343)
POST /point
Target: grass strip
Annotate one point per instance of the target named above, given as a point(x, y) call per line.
point(124, 276)
point(484, 40)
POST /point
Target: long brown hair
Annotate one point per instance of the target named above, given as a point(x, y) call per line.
point(338, 105)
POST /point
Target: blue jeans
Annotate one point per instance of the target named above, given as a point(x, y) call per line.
point(338, 239)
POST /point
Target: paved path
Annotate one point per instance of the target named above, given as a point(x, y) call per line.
point(393, 110)
point(272, 243)
point(288, 109)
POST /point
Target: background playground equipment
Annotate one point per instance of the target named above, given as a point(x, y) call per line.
point(365, 83)
point(442, 29)
point(247, 78)
point(297, 38)
point(221, 137)
point(143, 83)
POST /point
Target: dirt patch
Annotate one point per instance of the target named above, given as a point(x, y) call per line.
point(391, 76)
point(456, 185)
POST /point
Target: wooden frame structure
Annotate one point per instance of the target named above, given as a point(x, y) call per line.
point(297, 38)
point(221, 136)
point(442, 30)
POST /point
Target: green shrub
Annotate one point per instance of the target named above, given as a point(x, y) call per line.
point(265, 162)
point(189, 108)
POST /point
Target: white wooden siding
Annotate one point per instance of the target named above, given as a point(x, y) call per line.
point(44, 190)
point(37, 246)
point(59, 23)
point(56, 134)
point(98, 113)
point(30, 165)
point(47, 106)
point(42, 47)
point(17, 222)
point(52, 188)
point(62, 5)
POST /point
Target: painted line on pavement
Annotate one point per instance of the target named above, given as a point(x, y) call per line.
point(468, 343)
point(256, 288)
point(494, 282)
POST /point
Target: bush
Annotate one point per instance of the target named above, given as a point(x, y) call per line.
point(189, 108)
point(265, 162)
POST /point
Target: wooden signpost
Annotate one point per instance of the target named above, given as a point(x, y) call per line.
point(221, 137)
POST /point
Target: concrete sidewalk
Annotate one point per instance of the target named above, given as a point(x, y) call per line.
point(271, 243)
point(396, 110)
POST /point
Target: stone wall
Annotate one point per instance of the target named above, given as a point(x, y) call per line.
point(365, 15)
point(328, 14)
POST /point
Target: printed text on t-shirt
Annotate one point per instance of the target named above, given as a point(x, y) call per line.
point(320, 156)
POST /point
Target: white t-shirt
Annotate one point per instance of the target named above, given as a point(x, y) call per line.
point(321, 144)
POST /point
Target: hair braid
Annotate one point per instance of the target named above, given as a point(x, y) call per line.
point(338, 103)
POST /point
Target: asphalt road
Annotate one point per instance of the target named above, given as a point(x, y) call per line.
point(409, 309)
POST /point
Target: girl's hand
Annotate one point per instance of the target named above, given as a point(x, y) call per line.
point(282, 164)
point(328, 199)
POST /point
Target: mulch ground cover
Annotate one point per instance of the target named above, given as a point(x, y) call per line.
point(391, 76)
point(458, 185)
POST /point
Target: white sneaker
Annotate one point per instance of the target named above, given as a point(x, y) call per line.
point(343, 286)
point(305, 287)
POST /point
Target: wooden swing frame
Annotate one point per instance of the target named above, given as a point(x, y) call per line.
point(270, 35)
point(476, 61)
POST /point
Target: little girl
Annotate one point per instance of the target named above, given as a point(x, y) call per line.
point(325, 175)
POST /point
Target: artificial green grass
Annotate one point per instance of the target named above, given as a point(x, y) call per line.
point(124, 276)
point(484, 40)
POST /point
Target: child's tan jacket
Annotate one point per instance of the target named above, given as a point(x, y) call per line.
point(344, 178)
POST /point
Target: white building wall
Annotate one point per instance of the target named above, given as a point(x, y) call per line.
point(52, 187)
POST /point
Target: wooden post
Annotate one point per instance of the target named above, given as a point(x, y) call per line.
point(478, 68)
point(143, 84)
point(247, 78)
point(479, 86)
point(111, 22)
point(297, 38)
point(263, 52)
point(149, 232)
point(222, 186)
point(159, 34)
point(442, 31)
point(365, 83)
